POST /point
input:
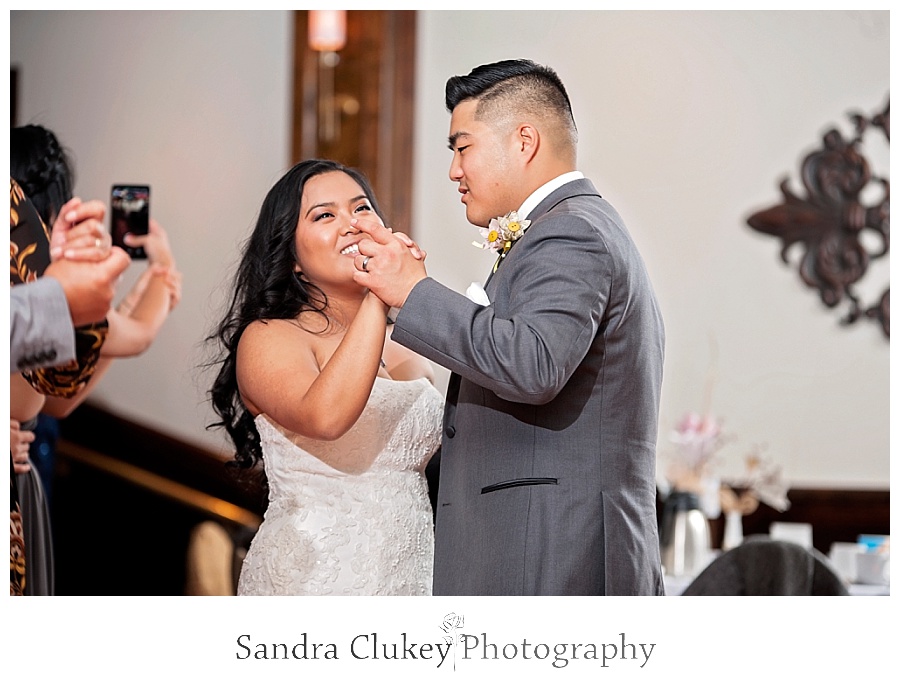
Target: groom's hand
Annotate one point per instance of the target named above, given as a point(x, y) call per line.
point(389, 263)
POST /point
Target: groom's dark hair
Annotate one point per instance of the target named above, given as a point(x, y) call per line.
point(523, 84)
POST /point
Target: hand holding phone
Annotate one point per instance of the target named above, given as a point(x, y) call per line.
point(130, 204)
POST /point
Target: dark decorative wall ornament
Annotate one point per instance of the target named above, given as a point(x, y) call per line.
point(832, 219)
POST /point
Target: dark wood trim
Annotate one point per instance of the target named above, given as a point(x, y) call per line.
point(103, 432)
point(14, 96)
point(376, 71)
point(837, 515)
point(305, 116)
point(210, 506)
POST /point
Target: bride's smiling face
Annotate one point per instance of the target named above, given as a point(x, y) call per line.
point(325, 242)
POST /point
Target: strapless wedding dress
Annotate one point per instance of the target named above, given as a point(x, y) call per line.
point(350, 516)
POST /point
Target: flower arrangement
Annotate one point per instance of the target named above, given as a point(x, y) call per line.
point(695, 467)
point(762, 482)
point(501, 233)
point(691, 468)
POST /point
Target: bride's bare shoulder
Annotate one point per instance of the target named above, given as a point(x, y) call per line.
point(264, 336)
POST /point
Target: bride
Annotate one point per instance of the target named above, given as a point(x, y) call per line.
point(342, 419)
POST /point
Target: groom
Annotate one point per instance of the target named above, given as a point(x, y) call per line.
point(547, 476)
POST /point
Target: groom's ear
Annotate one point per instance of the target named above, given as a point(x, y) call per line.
point(528, 140)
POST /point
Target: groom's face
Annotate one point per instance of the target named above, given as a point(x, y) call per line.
point(482, 165)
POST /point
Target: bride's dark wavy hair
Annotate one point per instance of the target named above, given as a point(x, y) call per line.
point(266, 287)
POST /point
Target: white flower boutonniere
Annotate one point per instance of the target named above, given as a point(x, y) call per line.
point(501, 233)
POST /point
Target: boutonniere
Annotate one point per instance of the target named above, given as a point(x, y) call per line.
point(502, 233)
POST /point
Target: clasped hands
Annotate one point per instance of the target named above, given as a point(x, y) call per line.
point(84, 260)
point(78, 232)
point(389, 263)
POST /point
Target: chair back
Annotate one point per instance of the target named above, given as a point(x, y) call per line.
point(762, 566)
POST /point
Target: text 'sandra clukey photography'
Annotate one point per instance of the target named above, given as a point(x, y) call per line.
point(452, 650)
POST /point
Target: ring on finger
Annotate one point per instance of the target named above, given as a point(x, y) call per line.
point(365, 263)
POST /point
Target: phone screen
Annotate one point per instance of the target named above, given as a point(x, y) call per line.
point(130, 215)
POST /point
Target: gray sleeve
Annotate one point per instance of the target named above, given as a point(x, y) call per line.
point(527, 351)
point(40, 326)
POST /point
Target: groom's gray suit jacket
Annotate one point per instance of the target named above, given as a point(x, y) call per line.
point(547, 476)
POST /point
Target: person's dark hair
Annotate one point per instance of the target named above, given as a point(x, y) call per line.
point(42, 167)
point(266, 287)
point(494, 81)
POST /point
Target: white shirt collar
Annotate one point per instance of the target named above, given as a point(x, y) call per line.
point(531, 202)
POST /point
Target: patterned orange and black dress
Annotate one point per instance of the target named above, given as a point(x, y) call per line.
point(29, 256)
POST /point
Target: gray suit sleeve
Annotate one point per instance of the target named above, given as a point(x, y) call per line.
point(550, 297)
point(40, 326)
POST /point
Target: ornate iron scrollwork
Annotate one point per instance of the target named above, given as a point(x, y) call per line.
point(829, 222)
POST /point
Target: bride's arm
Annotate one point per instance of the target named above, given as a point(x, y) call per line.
point(136, 322)
point(278, 373)
point(404, 364)
point(133, 325)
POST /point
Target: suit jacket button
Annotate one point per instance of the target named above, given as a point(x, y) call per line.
point(451, 431)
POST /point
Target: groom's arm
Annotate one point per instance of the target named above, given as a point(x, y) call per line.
point(558, 280)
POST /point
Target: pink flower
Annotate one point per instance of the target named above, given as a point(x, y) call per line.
point(698, 438)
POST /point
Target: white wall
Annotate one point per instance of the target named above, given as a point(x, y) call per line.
point(197, 104)
point(687, 120)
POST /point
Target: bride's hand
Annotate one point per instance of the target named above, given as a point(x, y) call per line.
point(417, 252)
point(380, 303)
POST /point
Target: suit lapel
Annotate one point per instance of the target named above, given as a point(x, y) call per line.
point(579, 187)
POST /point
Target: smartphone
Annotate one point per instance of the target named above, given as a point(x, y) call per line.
point(130, 205)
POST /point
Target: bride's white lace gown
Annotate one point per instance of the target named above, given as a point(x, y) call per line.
point(350, 516)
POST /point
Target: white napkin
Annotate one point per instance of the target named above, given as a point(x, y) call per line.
point(476, 294)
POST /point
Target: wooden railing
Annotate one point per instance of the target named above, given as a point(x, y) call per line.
point(127, 502)
point(210, 506)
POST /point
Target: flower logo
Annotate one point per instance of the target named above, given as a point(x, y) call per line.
point(449, 626)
